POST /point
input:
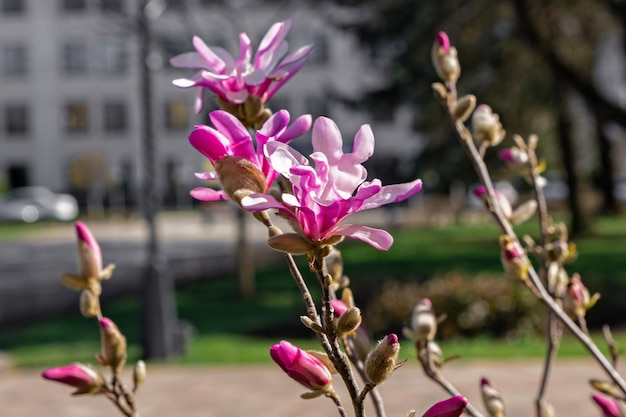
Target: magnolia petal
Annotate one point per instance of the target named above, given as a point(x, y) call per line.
point(274, 126)
point(207, 176)
point(283, 157)
point(191, 60)
point(184, 82)
point(393, 194)
point(208, 194)
point(239, 144)
point(213, 59)
point(299, 127)
point(378, 238)
point(257, 201)
point(209, 142)
point(198, 100)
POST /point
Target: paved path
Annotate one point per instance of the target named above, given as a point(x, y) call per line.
point(264, 391)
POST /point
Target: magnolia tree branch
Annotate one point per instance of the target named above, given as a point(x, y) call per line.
point(358, 364)
point(533, 281)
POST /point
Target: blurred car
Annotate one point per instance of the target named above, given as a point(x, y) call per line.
point(30, 204)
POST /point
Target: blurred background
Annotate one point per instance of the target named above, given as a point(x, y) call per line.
point(91, 127)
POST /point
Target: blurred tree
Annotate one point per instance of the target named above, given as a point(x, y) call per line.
point(500, 68)
point(89, 172)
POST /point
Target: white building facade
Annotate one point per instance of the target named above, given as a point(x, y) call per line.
point(70, 102)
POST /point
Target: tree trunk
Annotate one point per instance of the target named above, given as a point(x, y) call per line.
point(607, 167)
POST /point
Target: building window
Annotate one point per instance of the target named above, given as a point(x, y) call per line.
point(113, 55)
point(13, 6)
point(177, 114)
point(76, 118)
point(14, 61)
point(115, 117)
point(75, 58)
point(112, 6)
point(16, 119)
point(73, 5)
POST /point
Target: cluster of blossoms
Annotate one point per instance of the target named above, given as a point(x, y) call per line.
point(248, 146)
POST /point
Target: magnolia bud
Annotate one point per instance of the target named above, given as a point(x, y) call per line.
point(89, 252)
point(491, 399)
point(113, 346)
point(609, 406)
point(546, 410)
point(290, 243)
point(349, 321)
point(302, 366)
point(445, 58)
point(486, 126)
point(513, 258)
point(514, 157)
point(381, 362)
point(423, 322)
point(576, 298)
point(557, 279)
point(452, 407)
point(83, 377)
point(500, 200)
point(239, 177)
point(139, 374)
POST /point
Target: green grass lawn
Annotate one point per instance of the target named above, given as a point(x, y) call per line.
point(231, 330)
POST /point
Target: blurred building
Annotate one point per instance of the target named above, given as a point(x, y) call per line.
point(70, 104)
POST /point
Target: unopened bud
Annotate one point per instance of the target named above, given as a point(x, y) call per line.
point(513, 258)
point(290, 243)
point(83, 377)
point(444, 58)
point(452, 407)
point(500, 200)
point(113, 345)
point(606, 387)
point(464, 107)
point(139, 374)
point(486, 126)
point(423, 322)
point(429, 354)
point(89, 304)
point(576, 298)
point(89, 252)
point(239, 177)
point(546, 410)
point(557, 279)
point(349, 321)
point(381, 362)
point(492, 399)
point(302, 366)
point(514, 157)
point(609, 406)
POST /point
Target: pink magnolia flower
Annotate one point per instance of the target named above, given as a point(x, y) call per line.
point(324, 196)
point(609, 406)
point(301, 366)
point(77, 375)
point(452, 407)
point(231, 138)
point(234, 79)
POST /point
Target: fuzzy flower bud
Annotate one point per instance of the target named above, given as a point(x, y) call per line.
point(302, 366)
point(429, 354)
point(486, 126)
point(89, 304)
point(139, 374)
point(492, 399)
point(291, 243)
point(239, 177)
point(513, 258)
point(113, 345)
point(500, 199)
point(423, 322)
point(381, 362)
point(86, 379)
point(513, 157)
point(609, 406)
point(89, 263)
point(577, 300)
point(444, 58)
point(349, 321)
point(452, 407)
